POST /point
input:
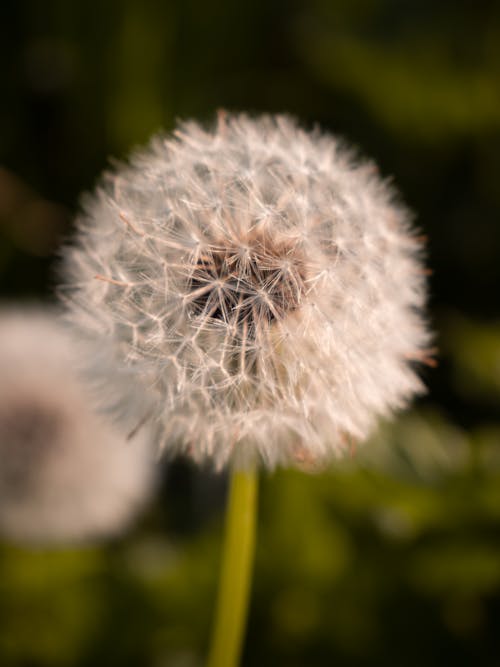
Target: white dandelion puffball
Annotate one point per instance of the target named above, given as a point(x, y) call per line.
point(64, 474)
point(260, 287)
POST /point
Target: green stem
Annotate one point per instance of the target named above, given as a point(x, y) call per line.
point(236, 571)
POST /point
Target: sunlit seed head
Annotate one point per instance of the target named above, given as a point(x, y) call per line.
point(254, 288)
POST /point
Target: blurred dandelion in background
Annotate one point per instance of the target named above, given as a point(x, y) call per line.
point(66, 474)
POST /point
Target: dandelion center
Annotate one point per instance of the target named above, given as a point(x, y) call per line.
point(28, 428)
point(254, 281)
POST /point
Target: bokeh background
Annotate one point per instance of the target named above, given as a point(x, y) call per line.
point(393, 557)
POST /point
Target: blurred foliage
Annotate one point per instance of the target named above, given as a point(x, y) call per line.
point(391, 557)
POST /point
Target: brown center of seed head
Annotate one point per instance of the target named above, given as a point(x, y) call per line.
point(256, 281)
point(31, 431)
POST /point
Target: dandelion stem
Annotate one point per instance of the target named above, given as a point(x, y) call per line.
point(236, 571)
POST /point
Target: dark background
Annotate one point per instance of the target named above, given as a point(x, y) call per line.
point(392, 558)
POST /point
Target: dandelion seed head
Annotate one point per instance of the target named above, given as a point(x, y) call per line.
point(259, 286)
point(65, 473)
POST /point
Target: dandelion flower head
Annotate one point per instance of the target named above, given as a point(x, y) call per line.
point(65, 474)
point(260, 287)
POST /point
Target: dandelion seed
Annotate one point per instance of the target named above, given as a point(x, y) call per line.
point(65, 474)
point(260, 287)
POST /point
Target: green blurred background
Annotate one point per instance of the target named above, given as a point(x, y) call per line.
point(393, 557)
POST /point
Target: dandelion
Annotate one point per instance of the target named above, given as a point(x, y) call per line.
point(259, 284)
point(64, 473)
point(255, 292)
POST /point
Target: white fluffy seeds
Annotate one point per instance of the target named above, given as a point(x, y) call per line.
point(64, 474)
point(260, 288)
